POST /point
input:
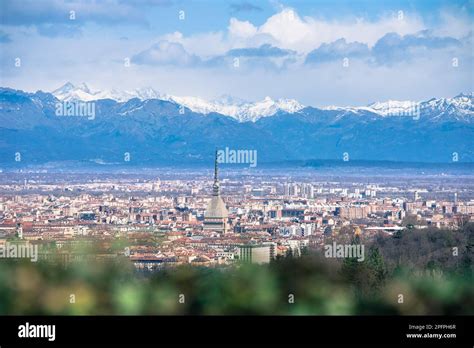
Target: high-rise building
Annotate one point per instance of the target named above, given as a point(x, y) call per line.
point(257, 253)
point(287, 189)
point(216, 215)
point(417, 196)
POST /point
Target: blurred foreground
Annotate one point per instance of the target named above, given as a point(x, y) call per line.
point(413, 272)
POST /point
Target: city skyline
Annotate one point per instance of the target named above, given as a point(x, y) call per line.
point(263, 216)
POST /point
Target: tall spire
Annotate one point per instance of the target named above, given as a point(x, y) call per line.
point(215, 187)
point(216, 215)
point(215, 168)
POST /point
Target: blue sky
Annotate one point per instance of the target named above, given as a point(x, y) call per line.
point(318, 52)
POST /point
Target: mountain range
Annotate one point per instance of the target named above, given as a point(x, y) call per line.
point(226, 105)
point(156, 129)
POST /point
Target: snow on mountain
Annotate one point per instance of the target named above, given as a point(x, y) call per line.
point(69, 92)
point(238, 109)
point(269, 107)
point(387, 108)
point(226, 105)
point(145, 93)
point(205, 107)
point(243, 111)
point(394, 107)
point(82, 92)
point(460, 105)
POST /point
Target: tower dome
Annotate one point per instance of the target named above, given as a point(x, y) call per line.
point(216, 215)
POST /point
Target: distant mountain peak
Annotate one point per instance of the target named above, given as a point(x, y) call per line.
point(226, 105)
point(83, 86)
point(67, 87)
point(244, 111)
point(158, 133)
point(69, 91)
point(458, 106)
point(464, 95)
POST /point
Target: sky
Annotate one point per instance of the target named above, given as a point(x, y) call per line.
point(325, 52)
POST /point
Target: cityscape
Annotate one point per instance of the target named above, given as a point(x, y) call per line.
point(211, 168)
point(205, 220)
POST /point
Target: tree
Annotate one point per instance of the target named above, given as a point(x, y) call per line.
point(304, 251)
point(462, 220)
point(376, 265)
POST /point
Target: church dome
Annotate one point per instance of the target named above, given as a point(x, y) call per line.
point(216, 208)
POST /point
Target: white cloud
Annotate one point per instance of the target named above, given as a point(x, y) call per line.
point(329, 83)
point(288, 30)
point(306, 33)
point(203, 45)
point(241, 29)
point(166, 53)
point(454, 24)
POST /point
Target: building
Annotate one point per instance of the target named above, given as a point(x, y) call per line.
point(353, 212)
point(257, 253)
point(216, 216)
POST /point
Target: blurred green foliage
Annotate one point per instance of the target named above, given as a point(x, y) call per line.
point(418, 264)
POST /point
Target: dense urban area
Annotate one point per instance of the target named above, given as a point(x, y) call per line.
point(211, 219)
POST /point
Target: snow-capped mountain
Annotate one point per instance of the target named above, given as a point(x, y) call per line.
point(69, 92)
point(82, 92)
point(394, 107)
point(157, 132)
point(244, 111)
point(386, 108)
point(460, 106)
point(239, 109)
